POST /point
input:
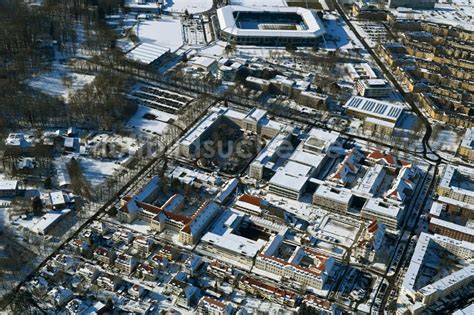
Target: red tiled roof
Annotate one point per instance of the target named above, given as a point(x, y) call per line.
point(265, 286)
point(254, 200)
point(148, 207)
point(376, 155)
point(319, 302)
point(390, 159)
point(187, 227)
point(214, 302)
point(177, 217)
point(373, 226)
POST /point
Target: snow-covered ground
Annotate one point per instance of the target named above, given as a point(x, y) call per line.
point(96, 171)
point(338, 34)
point(53, 83)
point(165, 32)
point(218, 49)
point(149, 127)
point(445, 139)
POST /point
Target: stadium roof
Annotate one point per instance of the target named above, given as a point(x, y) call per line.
point(228, 24)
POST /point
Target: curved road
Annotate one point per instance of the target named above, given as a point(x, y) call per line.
point(426, 146)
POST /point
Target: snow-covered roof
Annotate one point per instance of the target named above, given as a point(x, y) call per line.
point(468, 139)
point(418, 259)
point(147, 53)
point(227, 21)
point(293, 176)
point(221, 236)
point(381, 208)
point(371, 180)
point(227, 190)
point(404, 184)
point(453, 226)
point(57, 198)
point(458, 13)
point(203, 61)
point(455, 178)
point(380, 122)
point(256, 114)
point(305, 158)
point(459, 203)
point(196, 132)
point(340, 195)
point(48, 220)
point(201, 218)
point(17, 139)
point(465, 311)
point(375, 108)
point(8, 184)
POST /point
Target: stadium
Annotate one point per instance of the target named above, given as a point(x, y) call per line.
point(270, 26)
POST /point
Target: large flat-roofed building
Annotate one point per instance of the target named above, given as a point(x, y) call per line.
point(371, 181)
point(290, 181)
point(457, 183)
point(254, 121)
point(362, 107)
point(230, 237)
point(375, 88)
point(466, 149)
point(332, 198)
point(270, 25)
point(270, 158)
point(383, 211)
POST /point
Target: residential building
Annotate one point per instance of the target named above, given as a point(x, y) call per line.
point(211, 306)
point(457, 182)
point(267, 291)
point(422, 293)
point(126, 263)
point(108, 281)
point(466, 148)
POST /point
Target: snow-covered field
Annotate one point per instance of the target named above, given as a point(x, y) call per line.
point(96, 171)
point(338, 34)
point(147, 126)
point(166, 32)
point(445, 139)
point(53, 83)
